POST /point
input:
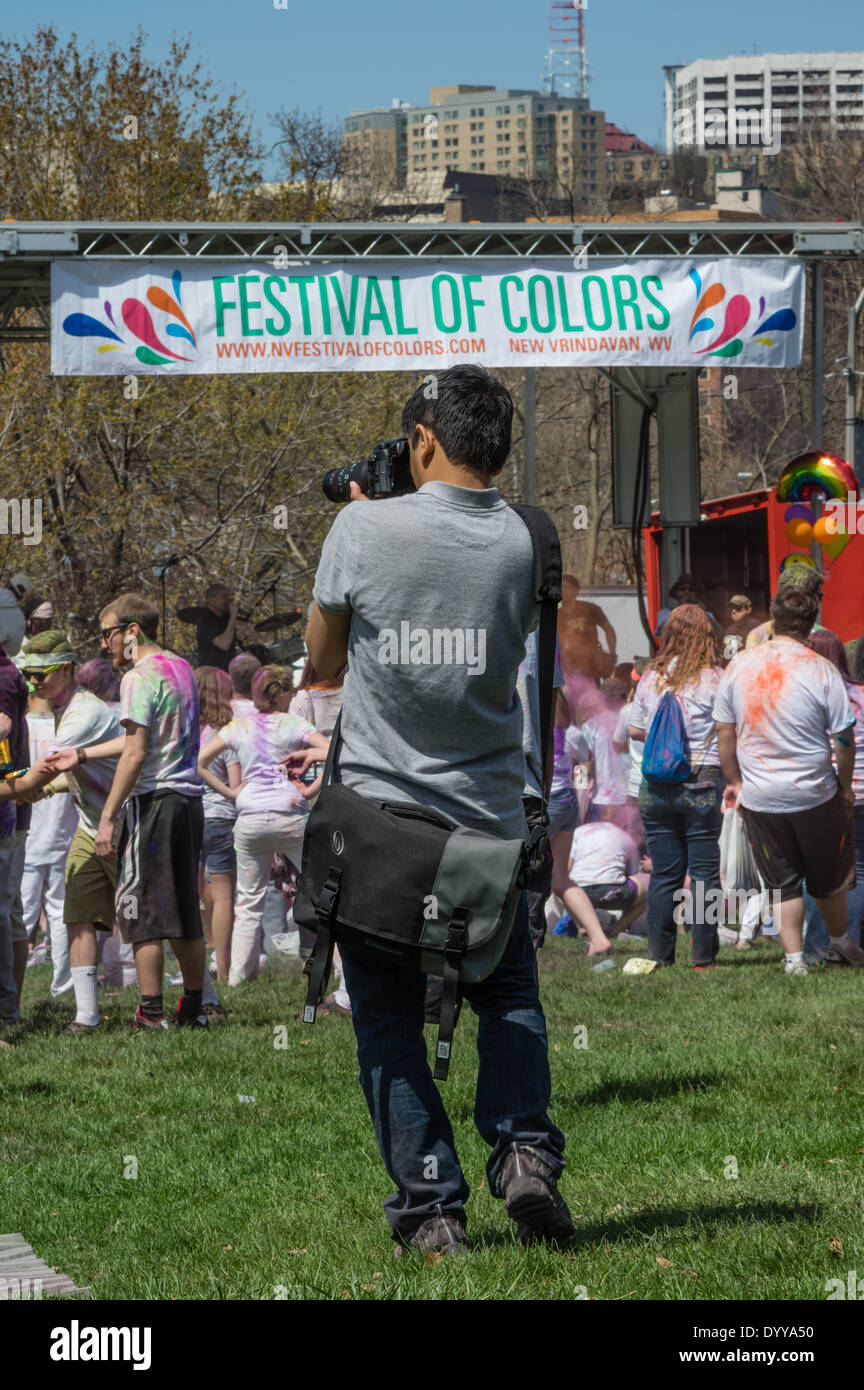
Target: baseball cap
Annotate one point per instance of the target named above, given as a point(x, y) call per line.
point(739, 601)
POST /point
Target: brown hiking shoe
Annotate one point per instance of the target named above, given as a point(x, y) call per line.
point(530, 1191)
point(442, 1234)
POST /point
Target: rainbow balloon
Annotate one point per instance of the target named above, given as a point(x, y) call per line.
point(816, 472)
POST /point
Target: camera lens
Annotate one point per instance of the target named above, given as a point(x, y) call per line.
point(337, 483)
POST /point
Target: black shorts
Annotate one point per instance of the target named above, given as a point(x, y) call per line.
point(157, 868)
point(614, 897)
point(816, 846)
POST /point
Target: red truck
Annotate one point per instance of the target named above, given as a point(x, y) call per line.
point(740, 545)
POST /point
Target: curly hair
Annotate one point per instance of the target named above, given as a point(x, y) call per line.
point(689, 646)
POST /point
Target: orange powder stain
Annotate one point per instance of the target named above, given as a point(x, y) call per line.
point(763, 689)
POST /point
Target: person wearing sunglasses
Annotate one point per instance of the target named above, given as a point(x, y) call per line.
point(83, 723)
point(156, 781)
point(742, 624)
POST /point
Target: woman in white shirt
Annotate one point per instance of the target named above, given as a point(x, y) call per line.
point(271, 806)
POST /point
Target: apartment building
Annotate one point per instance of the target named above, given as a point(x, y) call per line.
point(512, 133)
point(800, 88)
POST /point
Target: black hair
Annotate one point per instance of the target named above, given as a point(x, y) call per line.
point(793, 612)
point(470, 413)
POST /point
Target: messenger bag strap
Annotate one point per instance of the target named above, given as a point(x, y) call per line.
point(335, 741)
point(320, 963)
point(454, 949)
point(547, 592)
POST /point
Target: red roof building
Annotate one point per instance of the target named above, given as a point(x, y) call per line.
point(620, 141)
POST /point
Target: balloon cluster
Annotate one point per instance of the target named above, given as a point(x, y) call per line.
point(803, 527)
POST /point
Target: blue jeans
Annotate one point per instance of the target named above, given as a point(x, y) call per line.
point(414, 1134)
point(682, 827)
point(11, 868)
point(815, 930)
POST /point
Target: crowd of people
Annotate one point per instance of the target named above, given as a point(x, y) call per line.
point(774, 721)
point(138, 792)
point(772, 715)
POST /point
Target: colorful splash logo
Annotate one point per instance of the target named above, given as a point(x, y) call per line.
point(138, 321)
point(738, 315)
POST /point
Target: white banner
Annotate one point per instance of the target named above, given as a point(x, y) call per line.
point(111, 318)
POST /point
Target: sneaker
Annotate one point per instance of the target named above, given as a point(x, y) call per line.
point(175, 981)
point(530, 1191)
point(743, 943)
point(850, 954)
point(181, 1020)
point(444, 1234)
point(796, 968)
point(38, 956)
point(215, 1013)
point(140, 1024)
point(76, 1027)
point(712, 966)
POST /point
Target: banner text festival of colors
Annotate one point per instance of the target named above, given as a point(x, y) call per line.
point(160, 317)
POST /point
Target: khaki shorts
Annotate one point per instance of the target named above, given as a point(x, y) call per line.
point(90, 882)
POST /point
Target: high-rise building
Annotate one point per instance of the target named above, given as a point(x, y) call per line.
point(756, 100)
point(514, 133)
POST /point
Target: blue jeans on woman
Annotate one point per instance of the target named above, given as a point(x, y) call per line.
point(682, 827)
point(414, 1134)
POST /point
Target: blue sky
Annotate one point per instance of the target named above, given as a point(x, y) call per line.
point(336, 55)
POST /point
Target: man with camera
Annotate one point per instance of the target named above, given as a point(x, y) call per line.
point(440, 726)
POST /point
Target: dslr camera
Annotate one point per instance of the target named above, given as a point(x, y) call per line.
point(386, 473)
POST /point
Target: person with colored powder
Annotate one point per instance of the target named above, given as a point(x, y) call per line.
point(798, 576)
point(779, 709)
point(157, 781)
point(272, 808)
point(82, 722)
point(682, 820)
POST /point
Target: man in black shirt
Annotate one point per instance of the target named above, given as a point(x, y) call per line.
point(742, 624)
point(215, 629)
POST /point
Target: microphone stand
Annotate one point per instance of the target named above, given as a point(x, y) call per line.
point(169, 563)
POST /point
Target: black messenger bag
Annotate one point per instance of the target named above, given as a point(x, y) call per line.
point(406, 883)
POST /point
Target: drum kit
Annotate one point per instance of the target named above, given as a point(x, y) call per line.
point(284, 651)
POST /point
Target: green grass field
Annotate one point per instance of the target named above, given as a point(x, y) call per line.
point(686, 1079)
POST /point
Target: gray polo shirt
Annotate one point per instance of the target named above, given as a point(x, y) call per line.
point(439, 585)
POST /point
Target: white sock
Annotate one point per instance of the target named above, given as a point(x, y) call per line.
point(86, 994)
point(839, 940)
point(209, 995)
point(793, 957)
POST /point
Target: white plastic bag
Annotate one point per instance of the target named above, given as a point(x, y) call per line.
point(737, 865)
point(118, 962)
